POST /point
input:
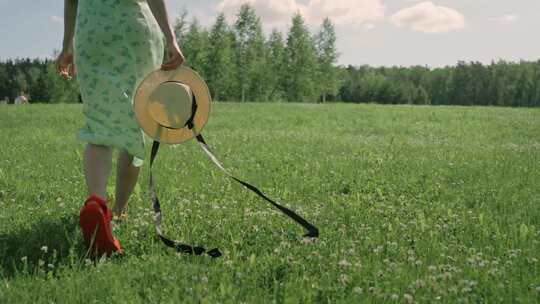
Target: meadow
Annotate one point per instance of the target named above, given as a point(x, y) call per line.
point(415, 204)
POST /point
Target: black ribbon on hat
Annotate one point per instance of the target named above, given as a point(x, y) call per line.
point(312, 231)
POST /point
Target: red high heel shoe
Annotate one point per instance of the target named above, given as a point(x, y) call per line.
point(95, 221)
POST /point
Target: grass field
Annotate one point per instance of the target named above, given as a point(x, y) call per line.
point(414, 204)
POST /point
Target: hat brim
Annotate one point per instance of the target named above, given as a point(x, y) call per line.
point(200, 91)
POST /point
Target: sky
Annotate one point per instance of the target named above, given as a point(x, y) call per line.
point(375, 32)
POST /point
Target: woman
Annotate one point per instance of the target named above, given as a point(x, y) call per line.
point(114, 44)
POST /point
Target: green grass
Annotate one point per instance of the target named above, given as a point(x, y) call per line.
point(424, 204)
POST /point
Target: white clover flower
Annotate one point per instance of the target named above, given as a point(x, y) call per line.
point(344, 263)
point(419, 284)
point(344, 279)
point(408, 298)
point(44, 249)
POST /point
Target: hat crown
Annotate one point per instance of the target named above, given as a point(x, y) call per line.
point(166, 100)
point(170, 104)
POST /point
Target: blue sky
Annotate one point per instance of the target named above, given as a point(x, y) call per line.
point(374, 32)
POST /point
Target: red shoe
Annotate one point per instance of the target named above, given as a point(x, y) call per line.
point(95, 221)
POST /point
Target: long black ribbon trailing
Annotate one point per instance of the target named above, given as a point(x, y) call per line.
point(312, 231)
point(177, 245)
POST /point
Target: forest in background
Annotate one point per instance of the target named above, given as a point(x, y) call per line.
point(241, 63)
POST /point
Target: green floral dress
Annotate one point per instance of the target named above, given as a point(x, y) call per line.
point(117, 43)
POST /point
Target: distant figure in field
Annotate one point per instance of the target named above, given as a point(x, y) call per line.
point(22, 99)
point(111, 46)
point(5, 100)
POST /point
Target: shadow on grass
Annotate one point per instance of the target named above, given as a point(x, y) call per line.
point(44, 245)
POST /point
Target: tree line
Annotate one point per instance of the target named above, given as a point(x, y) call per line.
point(241, 63)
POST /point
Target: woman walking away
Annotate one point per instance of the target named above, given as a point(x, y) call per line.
point(111, 45)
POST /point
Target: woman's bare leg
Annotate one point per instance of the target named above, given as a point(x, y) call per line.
point(97, 169)
point(126, 179)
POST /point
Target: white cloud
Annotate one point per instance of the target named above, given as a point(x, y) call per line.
point(270, 11)
point(429, 18)
point(279, 12)
point(507, 19)
point(369, 26)
point(346, 12)
point(56, 19)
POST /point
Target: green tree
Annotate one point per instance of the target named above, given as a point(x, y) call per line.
point(181, 26)
point(38, 90)
point(20, 81)
point(301, 62)
point(276, 65)
point(5, 82)
point(220, 59)
point(328, 77)
point(250, 54)
point(195, 48)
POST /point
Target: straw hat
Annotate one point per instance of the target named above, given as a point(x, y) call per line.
point(167, 102)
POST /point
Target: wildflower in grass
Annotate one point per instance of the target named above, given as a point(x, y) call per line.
point(44, 249)
point(307, 240)
point(344, 263)
point(446, 276)
point(408, 298)
point(24, 259)
point(394, 297)
point(419, 284)
point(493, 272)
point(358, 290)
point(466, 289)
point(344, 279)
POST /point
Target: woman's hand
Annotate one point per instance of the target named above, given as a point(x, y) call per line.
point(65, 64)
point(175, 59)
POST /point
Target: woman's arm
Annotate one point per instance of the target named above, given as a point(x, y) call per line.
point(176, 58)
point(160, 13)
point(70, 14)
point(64, 64)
